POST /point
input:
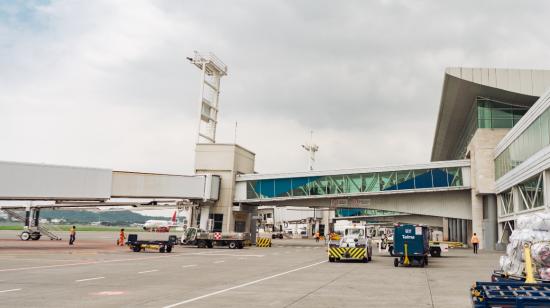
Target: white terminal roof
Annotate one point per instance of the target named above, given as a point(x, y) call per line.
point(461, 86)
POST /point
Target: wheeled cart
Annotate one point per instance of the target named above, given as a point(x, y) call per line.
point(161, 246)
point(411, 245)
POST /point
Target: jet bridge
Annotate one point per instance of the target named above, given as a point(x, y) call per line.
point(30, 181)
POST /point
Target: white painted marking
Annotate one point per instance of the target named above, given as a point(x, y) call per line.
point(11, 290)
point(109, 293)
point(151, 271)
point(88, 279)
point(89, 262)
point(227, 254)
point(190, 265)
point(221, 261)
point(242, 285)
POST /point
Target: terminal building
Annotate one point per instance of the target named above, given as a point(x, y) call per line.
point(490, 163)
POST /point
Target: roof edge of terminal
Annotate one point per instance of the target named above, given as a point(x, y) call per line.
point(430, 165)
point(522, 86)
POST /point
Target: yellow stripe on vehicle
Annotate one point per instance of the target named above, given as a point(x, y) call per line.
point(340, 252)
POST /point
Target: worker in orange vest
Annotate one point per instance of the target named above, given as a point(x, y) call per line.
point(121, 238)
point(317, 236)
point(475, 242)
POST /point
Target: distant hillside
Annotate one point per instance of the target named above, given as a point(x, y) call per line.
point(107, 217)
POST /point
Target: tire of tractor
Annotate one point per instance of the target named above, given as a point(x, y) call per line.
point(395, 262)
point(240, 245)
point(435, 253)
point(35, 236)
point(169, 249)
point(162, 249)
point(25, 236)
point(330, 259)
point(201, 244)
point(232, 245)
point(136, 248)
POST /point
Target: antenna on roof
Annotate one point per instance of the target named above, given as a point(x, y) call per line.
point(312, 148)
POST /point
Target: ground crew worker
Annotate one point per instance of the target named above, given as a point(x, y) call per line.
point(475, 242)
point(72, 235)
point(121, 238)
point(317, 236)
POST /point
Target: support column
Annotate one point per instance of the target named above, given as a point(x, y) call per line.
point(500, 236)
point(490, 237)
point(253, 224)
point(477, 216)
point(445, 229)
point(459, 230)
point(464, 231)
point(27, 217)
point(205, 212)
point(316, 225)
point(326, 221)
point(36, 217)
point(452, 223)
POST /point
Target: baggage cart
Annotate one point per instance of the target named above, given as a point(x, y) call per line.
point(161, 246)
point(411, 245)
point(510, 294)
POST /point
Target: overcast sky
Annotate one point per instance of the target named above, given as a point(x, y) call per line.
point(107, 83)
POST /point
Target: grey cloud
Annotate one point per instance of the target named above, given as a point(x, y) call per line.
point(366, 76)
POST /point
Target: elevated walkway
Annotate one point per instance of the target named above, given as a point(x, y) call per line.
point(435, 189)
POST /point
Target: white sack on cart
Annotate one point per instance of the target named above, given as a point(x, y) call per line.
point(544, 273)
point(541, 254)
point(534, 221)
point(527, 235)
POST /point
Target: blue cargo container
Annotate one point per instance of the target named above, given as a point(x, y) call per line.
point(411, 245)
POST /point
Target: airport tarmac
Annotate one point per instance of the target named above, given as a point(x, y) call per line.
point(292, 273)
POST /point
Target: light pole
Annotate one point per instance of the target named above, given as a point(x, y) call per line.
point(312, 148)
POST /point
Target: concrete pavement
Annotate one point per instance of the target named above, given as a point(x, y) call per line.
point(292, 273)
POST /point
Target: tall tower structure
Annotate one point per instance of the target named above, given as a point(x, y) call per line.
point(212, 70)
point(312, 148)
